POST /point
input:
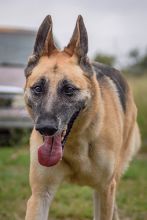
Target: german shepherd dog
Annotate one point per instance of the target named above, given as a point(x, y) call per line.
point(85, 128)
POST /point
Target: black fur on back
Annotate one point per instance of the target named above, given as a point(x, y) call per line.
point(102, 70)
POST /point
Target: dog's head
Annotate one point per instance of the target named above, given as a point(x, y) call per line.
point(57, 85)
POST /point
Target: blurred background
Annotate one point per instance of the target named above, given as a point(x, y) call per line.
point(117, 37)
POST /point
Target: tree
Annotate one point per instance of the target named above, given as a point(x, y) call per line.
point(105, 58)
point(138, 64)
point(134, 55)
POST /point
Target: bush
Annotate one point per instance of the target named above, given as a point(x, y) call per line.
point(14, 136)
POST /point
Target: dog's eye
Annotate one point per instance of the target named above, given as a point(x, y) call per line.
point(37, 90)
point(68, 90)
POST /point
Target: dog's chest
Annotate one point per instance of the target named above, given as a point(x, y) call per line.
point(80, 166)
point(88, 166)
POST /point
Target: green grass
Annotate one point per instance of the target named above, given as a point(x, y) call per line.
point(132, 196)
point(14, 164)
point(139, 86)
point(71, 202)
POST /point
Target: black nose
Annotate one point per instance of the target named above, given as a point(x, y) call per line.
point(47, 125)
point(46, 130)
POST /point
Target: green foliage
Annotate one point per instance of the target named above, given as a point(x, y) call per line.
point(134, 54)
point(132, 191)
point(14, 190)
point(143, 62)
point(14, 136)
point(137, 62)
point(139, 86)
point(138, 65)
point(105, 58)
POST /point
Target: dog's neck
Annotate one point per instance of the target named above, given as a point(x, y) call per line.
point(89, 117)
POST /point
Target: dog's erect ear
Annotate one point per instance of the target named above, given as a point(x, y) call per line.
point(44, 44)
point(78, 44)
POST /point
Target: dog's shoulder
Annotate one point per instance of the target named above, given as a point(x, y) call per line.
point(104, 71)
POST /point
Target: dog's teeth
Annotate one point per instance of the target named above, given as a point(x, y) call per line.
point(64, 132)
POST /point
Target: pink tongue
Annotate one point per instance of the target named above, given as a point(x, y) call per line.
point(51, 151)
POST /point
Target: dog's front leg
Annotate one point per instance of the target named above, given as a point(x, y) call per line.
point(39, 203)
point(97, 208)
point(115, 213)
point(44, 184)
point(96, 213)
point(107, 201)
point(38, 206)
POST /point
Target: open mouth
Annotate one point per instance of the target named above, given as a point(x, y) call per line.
point(51, 151)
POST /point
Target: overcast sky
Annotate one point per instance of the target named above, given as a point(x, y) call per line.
point(114, 26)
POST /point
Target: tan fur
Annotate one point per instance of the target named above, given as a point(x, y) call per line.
point(99, 147)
